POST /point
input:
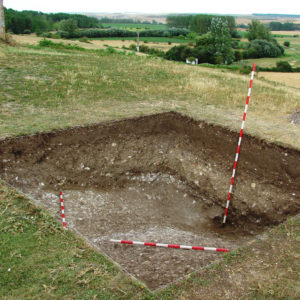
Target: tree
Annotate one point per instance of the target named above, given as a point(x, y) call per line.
point(221, 41)
point(179, 53)
point(2, 23)
point(263, 48)
point(258, 31)
point(69, 25)
point(179, 21)
point(40, 24)
point(201, 23)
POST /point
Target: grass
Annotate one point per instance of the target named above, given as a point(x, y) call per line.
point(272, 270)
point(44, 89)
point(40, 260)
point(159, 43)
point(292, 53)
point(56, 88)
point(290, 79)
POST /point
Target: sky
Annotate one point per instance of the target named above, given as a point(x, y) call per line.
point(159, 6)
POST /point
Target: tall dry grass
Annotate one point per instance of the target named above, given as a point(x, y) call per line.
point(47, 89)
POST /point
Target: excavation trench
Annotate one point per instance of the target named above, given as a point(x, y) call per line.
point(160, 178)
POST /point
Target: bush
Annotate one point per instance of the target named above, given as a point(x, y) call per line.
point(132, 47)
point(156, 52)
point(50, 44)
point(286, 43)
point(179, 53)
point(144, 48)
point(46, 35)
point(191, 58)
point(263, 48)
point(68, 25)
point(203, 54)
point(283, 66)
point(235, 44)
point(148, 50)
point(192, 36)
point(27, 31)
point(235, 34)
point(245, 70)
point(110, 50)
point(238, 55)
point(46, 43)
point(115, 32)
point(63, 34)
point(84, 40)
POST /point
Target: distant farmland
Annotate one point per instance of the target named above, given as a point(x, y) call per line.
point(128, 26)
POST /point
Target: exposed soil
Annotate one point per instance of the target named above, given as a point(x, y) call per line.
point(160, 178)
point(295, 117)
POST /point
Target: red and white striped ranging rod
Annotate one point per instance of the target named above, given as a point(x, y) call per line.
point(170, 246)
point(62, 211)
point(239, 144)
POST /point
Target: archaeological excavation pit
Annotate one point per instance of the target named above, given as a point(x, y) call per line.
point(160, 178)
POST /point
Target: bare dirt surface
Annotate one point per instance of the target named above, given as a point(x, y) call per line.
point(295, 117)
point(160, 178)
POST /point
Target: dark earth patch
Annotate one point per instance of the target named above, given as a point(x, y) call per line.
point(160, 178)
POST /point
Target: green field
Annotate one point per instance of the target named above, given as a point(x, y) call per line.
point(148, 39)
point(44, 89)
point(126, 26)
point(292, 53)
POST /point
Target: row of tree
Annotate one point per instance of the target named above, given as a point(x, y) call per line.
point(20, 22)
point(278, 26)
point(199, 23)
point(216, 46)
point(127, 21)
point(72, 32)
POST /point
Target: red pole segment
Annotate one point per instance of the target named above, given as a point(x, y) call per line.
point(239, 145)
point(170, 246)
point(62, 207)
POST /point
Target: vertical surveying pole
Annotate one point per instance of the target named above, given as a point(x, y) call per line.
point(239, 145)
point(138, 41)
point(2, 22)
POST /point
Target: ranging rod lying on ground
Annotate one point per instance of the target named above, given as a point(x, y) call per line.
point(170, 246)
